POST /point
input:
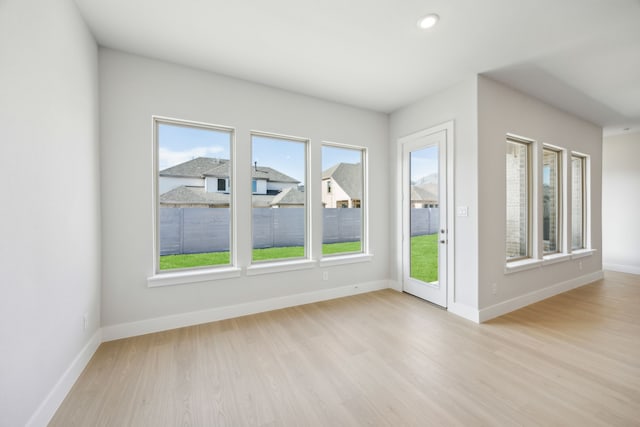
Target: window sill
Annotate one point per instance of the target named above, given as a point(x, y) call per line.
point(278, 267)
point(555, 258)
point(192, 276)
point(522, 265)
point(345, 259)
point(581, 253)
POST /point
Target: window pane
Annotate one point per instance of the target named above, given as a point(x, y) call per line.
point(194, 208)
point(342, 191)
point(517, 168)
point(577, 202)
point(550, 200)
point(279, 202)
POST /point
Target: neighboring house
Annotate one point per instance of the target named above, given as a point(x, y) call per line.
point(266, 180)
point(424, 196)
point(288, 198)
point(193, 197)
point(204, 182)
point(190, 174)
point(342, 186)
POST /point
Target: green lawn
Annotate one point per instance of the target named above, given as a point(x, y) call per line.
point(424, 257)
point(336, 248)
point(168, 262)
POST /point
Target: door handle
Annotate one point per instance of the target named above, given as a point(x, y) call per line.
point(443, 241)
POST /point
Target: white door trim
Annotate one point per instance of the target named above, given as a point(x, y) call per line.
point(448, 127)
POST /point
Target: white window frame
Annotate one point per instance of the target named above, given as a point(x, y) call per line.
point(364, 253)
point(586, 203)
point(531, 242)
point(537, 257)
point(192, 274)
point(560, 195)
point(285, 264)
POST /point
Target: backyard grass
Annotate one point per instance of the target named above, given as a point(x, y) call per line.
point(169, 262)
point(424, 257)
point(336, 248)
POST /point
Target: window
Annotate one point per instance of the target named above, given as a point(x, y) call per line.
point(578, 202)
point(193, 218)
point(342, 215)
point(518, 190)
point(551, 200)
point(278, 181)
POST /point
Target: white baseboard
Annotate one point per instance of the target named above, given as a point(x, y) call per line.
point(631, 269)
point(465, 311)
point(535, 296)
point(51, 403)
point(126, 330)
point(395, 285)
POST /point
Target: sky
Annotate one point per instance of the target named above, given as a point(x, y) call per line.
point(424, 162)
point(282, 155)
point(178, 144)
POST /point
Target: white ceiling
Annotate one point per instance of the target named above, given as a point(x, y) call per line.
point(580, 55)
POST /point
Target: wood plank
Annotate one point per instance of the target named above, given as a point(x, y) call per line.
point(382, 358)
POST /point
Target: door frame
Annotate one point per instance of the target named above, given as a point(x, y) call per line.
point(449, 197)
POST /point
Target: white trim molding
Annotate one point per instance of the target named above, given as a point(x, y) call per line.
point(47, 409)
point(631, 269)
point(538, 295)
point(192, 276)
point(465, 311)
point(158, 324)
point(345, 259)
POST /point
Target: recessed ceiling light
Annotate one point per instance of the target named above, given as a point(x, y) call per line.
point(428, 21)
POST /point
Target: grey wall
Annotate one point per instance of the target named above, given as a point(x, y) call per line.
point(503, 110)
point(457, 103)
point(620, 205)
point(132, 89)
point(50, 229)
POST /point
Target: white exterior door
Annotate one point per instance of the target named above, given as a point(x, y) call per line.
point(424, 215)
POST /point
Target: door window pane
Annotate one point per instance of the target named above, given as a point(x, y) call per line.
point(342, 193)
point(425, 214)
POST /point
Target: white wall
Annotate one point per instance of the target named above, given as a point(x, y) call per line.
point(457, 103)
point(50, 234)
point(279, 186)
point(132, 89)
point(337, 193)
point(502, 110)
point(620, 203)
point(211, 184)
point(167, 183)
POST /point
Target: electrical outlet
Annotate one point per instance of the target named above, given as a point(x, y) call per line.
point(85, 321)
point(325, 275)
point(494, 288)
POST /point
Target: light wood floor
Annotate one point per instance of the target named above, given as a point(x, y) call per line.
point(382, 358)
